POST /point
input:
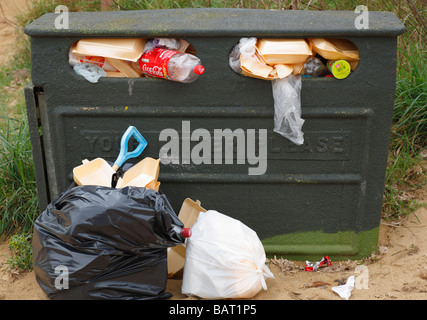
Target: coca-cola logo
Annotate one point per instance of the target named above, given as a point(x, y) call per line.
point(154, 70)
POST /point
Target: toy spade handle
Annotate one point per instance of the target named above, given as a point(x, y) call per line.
point(124, 155)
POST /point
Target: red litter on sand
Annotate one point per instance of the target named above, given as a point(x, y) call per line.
point(311, 266)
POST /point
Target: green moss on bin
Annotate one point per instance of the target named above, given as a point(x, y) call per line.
point(313, 245)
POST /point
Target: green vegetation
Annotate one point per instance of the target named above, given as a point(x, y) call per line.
point(21, 249)
point(18, 195)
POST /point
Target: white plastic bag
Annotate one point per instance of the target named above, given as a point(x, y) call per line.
point(287, 108)
point(344, 291)
point(224, 259)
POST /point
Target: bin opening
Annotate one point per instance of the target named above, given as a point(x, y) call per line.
point(273, 58)
point(168, 58)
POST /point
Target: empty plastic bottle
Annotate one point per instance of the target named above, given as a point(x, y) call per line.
point(171, 64)
point(184, 232)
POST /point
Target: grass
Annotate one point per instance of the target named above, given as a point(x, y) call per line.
point(18, 196)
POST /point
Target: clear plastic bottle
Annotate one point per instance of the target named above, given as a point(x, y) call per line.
point(171, 64)
point(314, 67)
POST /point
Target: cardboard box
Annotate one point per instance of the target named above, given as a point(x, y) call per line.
point(335, 49)
point(284, 51)
point(122, 49)
point(188, 215)
point(143, 174)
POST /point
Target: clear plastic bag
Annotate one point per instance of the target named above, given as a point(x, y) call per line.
point(245, 48)
point(286, 93)
point(287, 108)
point(224, 259)
point(91, 72)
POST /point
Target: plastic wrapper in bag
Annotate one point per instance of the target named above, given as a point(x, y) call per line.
point(91, 72)
point(164, 43)
point(224, 259)
point(287, 108)
point(112, 243)
point(245, 48)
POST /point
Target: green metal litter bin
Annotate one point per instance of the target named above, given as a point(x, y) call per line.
point(321, 198)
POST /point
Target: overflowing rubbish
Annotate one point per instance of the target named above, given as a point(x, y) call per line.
point(272, 59)
point(284, 62)
point(109, 232)
point(335, 49)
point(344, 291)
point(114, 230)
point(224, 259)
point(312, 266)
point(166, 58)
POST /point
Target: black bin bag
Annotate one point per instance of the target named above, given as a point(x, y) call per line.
point(104, 243)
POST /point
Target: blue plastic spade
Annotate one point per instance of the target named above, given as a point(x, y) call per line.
point(124, 154)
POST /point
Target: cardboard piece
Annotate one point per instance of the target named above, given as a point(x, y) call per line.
point(283, 51)
point(115, 74)
point(335, 49)
point(283, 70)
point(183, 46)
point(298, 69)
point(122, 49)
point(188, 215)
point(126, 69)
point(255, 67)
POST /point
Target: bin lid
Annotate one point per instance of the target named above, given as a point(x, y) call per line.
point(216, 22)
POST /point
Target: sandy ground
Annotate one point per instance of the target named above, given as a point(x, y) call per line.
point(8, 10)
point(397, 271)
